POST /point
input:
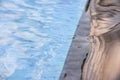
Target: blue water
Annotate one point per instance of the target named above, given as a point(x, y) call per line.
point(35, 36)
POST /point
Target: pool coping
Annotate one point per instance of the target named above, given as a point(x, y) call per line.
point(78, 50)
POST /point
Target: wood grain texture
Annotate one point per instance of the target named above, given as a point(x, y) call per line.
point(103, 61)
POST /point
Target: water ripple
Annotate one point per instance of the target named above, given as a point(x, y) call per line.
point(35, 36)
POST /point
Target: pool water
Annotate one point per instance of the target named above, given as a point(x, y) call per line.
point(35, 36)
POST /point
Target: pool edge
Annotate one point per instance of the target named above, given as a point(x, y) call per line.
point(77, 51)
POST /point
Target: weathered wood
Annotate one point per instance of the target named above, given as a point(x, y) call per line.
point(78, 50)
point(103, 61)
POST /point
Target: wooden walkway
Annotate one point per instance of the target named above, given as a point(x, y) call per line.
point(78, 51)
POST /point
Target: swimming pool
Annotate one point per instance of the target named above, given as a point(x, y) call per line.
point(35, 37)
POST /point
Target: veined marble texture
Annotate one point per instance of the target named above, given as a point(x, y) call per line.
point(35, 36)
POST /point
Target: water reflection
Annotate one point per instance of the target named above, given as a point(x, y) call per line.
point(35, 36)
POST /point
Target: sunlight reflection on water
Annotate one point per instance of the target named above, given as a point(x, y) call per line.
point(35, 37)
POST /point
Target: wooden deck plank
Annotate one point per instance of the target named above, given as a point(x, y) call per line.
point(78, 50)
point(103, 61)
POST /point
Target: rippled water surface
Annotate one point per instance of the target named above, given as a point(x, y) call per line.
point(35, 36)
